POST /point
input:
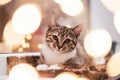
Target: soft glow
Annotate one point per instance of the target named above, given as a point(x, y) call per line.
point(98, 43)
point(66, 76)
point(117, 20)
point(11, 37)
point(20, 49)
point(113, 65)
point(26, 19)
point(71, 7)
point(40, 46)
point(111, 5)
point(23, 72)
point(26, 45)
point(2, 2)
point(28, 36)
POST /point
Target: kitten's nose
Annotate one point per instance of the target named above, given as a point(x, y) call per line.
point(59, 47)
point(59, 44)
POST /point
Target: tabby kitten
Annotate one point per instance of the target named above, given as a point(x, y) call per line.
point(61, 44)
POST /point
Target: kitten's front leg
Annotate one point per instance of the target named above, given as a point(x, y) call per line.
point(41, 64)
point(55, 67)
point(42, 67)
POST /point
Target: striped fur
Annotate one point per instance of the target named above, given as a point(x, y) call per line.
point(61, 45)
point(65, 39)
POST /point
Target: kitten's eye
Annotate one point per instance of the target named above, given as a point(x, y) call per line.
point(55, 37)
point(67, 41)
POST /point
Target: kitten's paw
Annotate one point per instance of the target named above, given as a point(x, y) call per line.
point(42, 67)
point(55, 67)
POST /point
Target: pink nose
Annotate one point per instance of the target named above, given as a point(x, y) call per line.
point(59, 47)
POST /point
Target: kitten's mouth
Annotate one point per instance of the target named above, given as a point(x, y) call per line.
point(58, 51)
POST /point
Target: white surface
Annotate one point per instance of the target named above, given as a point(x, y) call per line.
point(20, 54)
point(3, 66)
point(3, 61)
point(5, 77)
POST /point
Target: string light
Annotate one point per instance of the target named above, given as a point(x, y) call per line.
point(26, 45)
point(20, 49)
point(29, 36)
point(40, 46)
point(26, 19)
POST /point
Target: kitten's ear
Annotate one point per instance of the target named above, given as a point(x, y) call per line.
point(77, 29)
point(53, 23)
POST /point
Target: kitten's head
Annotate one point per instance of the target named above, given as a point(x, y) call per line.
point(62, 39)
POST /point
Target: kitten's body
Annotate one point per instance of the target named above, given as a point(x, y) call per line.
point(52, 58)
point(61, 44)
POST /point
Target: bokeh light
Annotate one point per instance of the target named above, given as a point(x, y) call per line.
point(111, 5)
point(113, 65)
point(23, 71)
point(66, 76)
point(60, 1)
point(2, 2)
point(83, 78)
point(26, 45)
point(11, 37)
point(20, 49)
point(40, 46)
point(26, 19)
point(98, 43)
point(71, 7)
point(28, 36)
point(117, 20)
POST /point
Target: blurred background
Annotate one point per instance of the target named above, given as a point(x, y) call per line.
point(23, 24)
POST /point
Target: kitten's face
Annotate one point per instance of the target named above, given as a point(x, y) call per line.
point(61, 39)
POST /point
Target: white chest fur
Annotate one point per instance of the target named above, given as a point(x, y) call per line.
point(56, 58)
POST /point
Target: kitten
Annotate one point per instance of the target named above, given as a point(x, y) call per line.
point(61, 45)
